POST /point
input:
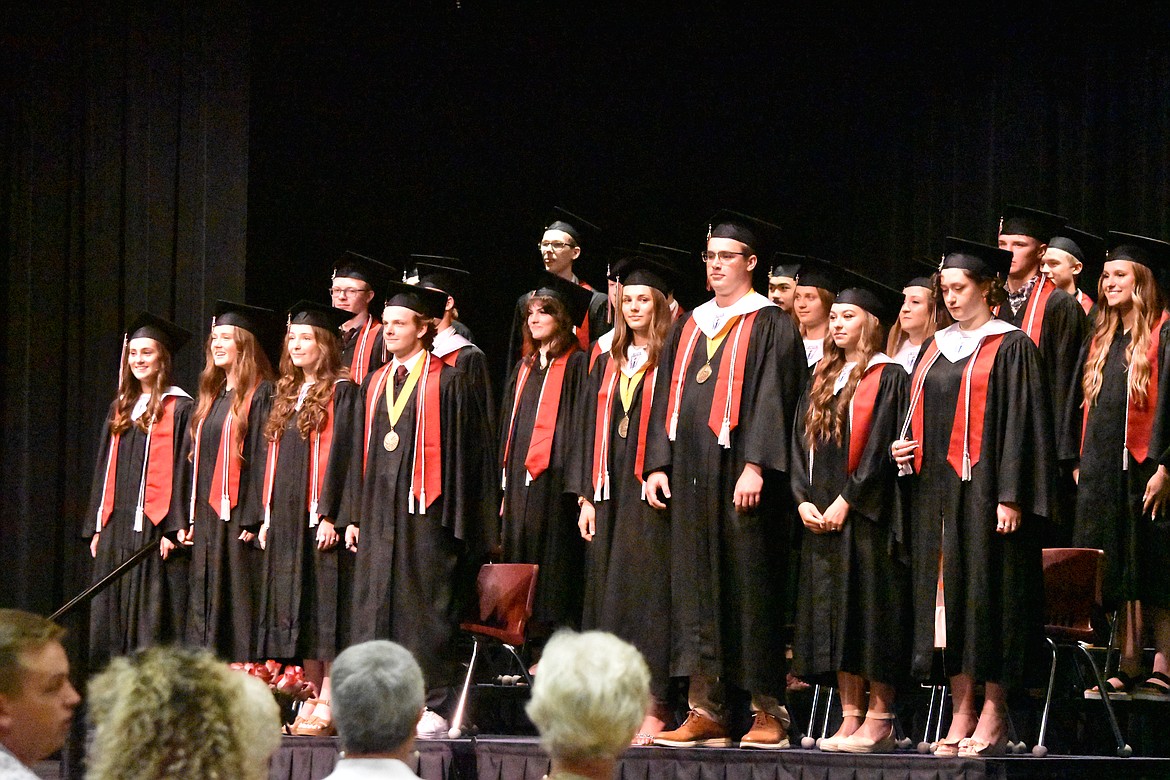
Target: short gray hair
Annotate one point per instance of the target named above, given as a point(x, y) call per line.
point(590, 695)
point(377, 696)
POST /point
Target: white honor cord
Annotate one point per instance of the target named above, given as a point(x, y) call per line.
point(195, 470)
point(225, 499)
point(682, 378)
point(966, 476)
point(139, 510)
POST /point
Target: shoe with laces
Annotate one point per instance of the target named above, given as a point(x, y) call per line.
point(431, 725)
point(696, 731)
point(767, 733)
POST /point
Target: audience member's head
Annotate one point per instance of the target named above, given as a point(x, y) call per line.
point(589, 697)
point(36, 698)
point(378, 697)
point(174, 712)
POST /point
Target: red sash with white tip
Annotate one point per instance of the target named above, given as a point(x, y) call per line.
point(154, 497)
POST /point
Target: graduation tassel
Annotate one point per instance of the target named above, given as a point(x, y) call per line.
point(966, 465)
point(422, 501)
point(673, 425)
point(503, 479)
point(605, 487)
point(725, 434)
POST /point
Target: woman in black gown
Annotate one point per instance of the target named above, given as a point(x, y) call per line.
point(131, 496)
point(541, 417)
point(220, 510)
point(1124, 455)
point(978, 436)
point(627, 566)
point(310, 484)
point(854, 581)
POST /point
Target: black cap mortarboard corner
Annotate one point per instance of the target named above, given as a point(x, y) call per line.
point(318, 315)
point(575, 298)
point(254, 319)
point(422, 300)
point(366, 269)
point(669, 255)
point(1085, 247)
point(1150, 252)
point(919, 281)
point(1022, 221)
point(815, 272)
point(165, 332)
point(647, 271)
point(785, 264)
point(879, 300)
point(758, 234)
point(980, 259)
point(580, 229)
point(437, 272)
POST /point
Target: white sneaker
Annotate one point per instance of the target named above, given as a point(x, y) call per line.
point(431, 725)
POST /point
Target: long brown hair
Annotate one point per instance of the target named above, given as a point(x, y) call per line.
point(826, 299)
point(990, 287)
point(315, 408)
point(937, 317)
point(623, 335)
point(1148, 303)
point(129, 389)
point(251, 367)
point(826, 417)
point(563, 338)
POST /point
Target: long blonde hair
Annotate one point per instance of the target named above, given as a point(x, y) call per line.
point(314, 410)
point(825, 417)
point(1148, 303)
point(251, 367)
point(129, 388)
point(937, 317)
point(623, 335)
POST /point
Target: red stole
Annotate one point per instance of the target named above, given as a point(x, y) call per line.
point(583, 326)
point(594, 354)
point(426, 476)
point(1139, 419)
point(724, 415)
point(1085, 301)
point(159, 473)
point(966, 443)
point(539, 453)
point(320, 446)
point(861, 413)
point(451, 357)
point(368, 338)
point(1033, 321)
point(601, 428)
point(225, 480)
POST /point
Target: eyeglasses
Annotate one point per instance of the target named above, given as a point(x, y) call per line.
point(723, 257)
point(555, 245)
point(345, 292)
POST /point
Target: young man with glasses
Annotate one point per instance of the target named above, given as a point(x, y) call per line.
point(352, 289)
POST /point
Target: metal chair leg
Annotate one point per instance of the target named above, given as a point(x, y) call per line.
point(828, 710)
point(520, 663)
point(1109, 668)
point(1040, 750)
point(809, 741)
point(934, 716)
point(1123, 750)
point(456, 729)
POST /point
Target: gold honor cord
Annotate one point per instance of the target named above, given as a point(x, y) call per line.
point(394, 406)
point(713, 347)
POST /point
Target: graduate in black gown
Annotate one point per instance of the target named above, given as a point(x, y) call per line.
point(816, 289)
point(853, 605)
point(311, 482)
point(717, 448)
point(427, 506)
point(541, 415)
point(131, 496)
point(355, 281)
point(978, 437)
point(1074, 256)
point(627, 564)
point(1125, 453)
point(918, 318)
point(219, 503)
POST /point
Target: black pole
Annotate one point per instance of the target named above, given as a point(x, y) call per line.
point(105, 581)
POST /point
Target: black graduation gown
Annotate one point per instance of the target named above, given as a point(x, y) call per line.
point(473, 363)
point(147, 605)
point(349, 345)
point(598, 323)
point(1109, 503)
point(539, 520)
point(853, 605)
point(993, 583)
point(627, 564)
point(225, 572)
point(463, 330)
point(300, 588)
point(414, 571)
point(729, 570)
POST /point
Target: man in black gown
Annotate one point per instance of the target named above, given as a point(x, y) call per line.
point(355, 278)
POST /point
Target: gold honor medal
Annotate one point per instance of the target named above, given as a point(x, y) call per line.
point(624, 427)
point(390, 442)
point(704, 373)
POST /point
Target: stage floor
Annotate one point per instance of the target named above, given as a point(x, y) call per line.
point(520, 758)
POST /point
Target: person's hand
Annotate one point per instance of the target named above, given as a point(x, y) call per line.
point(247, 536)
point(165, 546)
point(1077, 475)
point(835, 515)
point(327, 537)
point(186, 536)
point(747, 488)
point(811, 517)
point(655, 482)
point(1007, 518)
point(1154, 499)
point(262, 537)
point(93, 543)
point(903, 452)
point(587, 521)
point(351, 537)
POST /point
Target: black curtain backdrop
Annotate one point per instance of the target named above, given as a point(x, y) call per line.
point(145, 149)
point(123, 136)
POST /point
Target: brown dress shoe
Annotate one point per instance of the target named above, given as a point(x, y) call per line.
point(696, 731)
point(767, 733)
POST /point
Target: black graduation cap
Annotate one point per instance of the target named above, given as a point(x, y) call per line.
point(367, 269)
point(1150, 252)
point(165, 332)
point(1021, 221)
point(254, 319)
point(815, 272)
point(437, 272)
point(670, 255)
point(785, 264)
point(618, 257)
point(575, 297)
point(579, 228)
point(877, 299)
point(980, 259)
point(1085, 247)
point(648, 271)
point(756, 233)
point(423, 300)
point(318, 315)
point(920, 281)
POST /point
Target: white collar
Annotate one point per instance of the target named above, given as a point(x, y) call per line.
point(814, 350)
point(710, 317)
point(371, 768)
point(605, 341)
point(410, 362)
point(144, 399)
point(847, 369)
point(907, 354)
point(447, 341)
point(955, 343)
point(636, 358)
